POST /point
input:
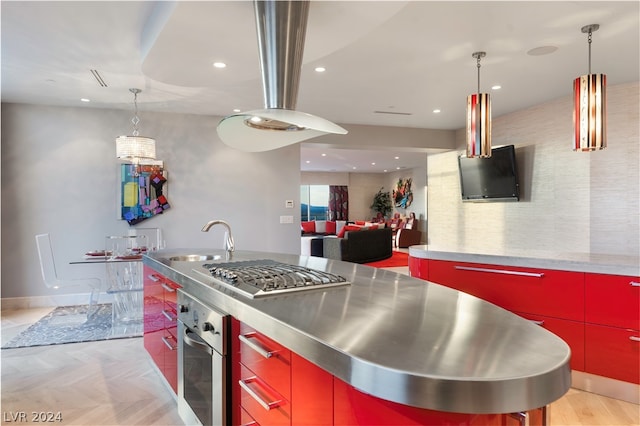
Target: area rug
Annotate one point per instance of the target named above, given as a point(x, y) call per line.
point(398, 258)
point(69, 324)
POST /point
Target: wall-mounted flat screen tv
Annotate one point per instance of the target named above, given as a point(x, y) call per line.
point(490, 179)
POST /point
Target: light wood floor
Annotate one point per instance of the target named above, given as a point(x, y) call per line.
point(113, 383)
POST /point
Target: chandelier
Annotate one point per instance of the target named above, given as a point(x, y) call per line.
point(135, 147)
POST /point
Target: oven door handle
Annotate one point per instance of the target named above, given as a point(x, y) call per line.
point(194, 343)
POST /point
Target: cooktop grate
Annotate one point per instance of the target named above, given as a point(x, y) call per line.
point(256, 278)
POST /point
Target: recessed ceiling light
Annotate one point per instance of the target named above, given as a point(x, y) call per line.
point(324, 155)
point(542, 50)
point(85, 100)
point(385, 170)
point(219, 65)
point(436, 111)
point(354, 167)
point(496, 87)
point(373, 164)
point(320, 69)
point(236, 110)
point(308, 162)
point(396, 158)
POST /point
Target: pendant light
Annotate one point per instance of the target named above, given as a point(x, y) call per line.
point(281, 28)
point(478, 119)
point(590, 106)
point(135, 147)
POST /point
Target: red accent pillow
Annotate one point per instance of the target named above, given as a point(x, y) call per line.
point(347, 228)
point(308, 227)
point(360, 222)
point(331, 228)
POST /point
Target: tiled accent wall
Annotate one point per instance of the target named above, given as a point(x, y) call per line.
point(570, 202)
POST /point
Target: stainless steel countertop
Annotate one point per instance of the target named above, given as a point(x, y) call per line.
point(396, 337)
point(578, 262)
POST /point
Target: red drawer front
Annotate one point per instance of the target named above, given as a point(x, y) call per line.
point(246, 419)
point(418, 268)
point(613, 352)
point(170, 293)
point(171, 358)
point(311, 393)
point(275, 370)
point(552, 293)
point(353, 407)
point(571, 332)
point(279, 411)
point(169, 316)
point(612, 300)
point(155, 347)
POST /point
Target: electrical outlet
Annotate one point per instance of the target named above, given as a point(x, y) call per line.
point(286, 219)
point(288, 204)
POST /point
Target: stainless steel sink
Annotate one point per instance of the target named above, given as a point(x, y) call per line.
point(194, 258)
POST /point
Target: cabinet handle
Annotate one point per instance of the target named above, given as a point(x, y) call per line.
point(256, 346)
point(153, 278)
point(634, 338)
point(168, 316)
point(244, 384)
point(522, 418)
point(169, 289)
point(634, 284)
point(501, 271)
point(170, 345)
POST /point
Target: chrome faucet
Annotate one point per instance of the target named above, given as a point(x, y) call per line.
point(229, 245)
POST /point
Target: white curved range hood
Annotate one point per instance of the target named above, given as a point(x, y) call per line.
point(281, 29)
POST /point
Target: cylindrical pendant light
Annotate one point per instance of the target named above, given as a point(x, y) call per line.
point(590, 106)
point(135, 147)
point(479, 120)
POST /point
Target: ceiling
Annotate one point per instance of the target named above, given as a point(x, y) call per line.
point(387, 63)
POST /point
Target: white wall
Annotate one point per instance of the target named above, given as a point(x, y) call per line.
point(572, 202)
point(59, 175)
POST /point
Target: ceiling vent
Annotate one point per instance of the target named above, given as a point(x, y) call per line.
point(98, 78)
point(281, 27)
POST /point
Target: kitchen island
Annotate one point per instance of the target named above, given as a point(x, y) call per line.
point(412, 345)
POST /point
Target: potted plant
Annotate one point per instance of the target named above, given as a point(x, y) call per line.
point(382, 203)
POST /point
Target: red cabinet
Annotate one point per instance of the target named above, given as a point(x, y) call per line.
point(546, 292)
point(571, 332)
point(598, 315)
point(612, 300)
point(353, 407)
point(612, 332)
point(160, 324)
point(613, 352)
point(264, 378)
point(311, 393)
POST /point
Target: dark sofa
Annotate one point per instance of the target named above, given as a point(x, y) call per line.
point(360, 246)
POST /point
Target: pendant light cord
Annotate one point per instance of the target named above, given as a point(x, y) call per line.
point(478, 74)
point(135, 120)
point(589, 39)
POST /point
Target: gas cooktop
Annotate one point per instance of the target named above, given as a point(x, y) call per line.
point(260, 278)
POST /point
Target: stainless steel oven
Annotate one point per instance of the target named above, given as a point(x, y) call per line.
point(203, 364)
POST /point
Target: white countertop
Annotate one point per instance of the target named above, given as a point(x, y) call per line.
point(577, 262)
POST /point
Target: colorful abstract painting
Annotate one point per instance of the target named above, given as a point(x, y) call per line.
point(141, 191)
